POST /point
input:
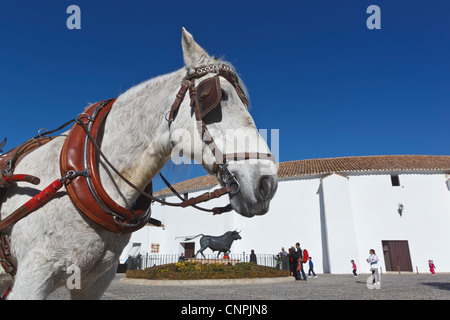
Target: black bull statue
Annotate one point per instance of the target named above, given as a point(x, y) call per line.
point(221, 243)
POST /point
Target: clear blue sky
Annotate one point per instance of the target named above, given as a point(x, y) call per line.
point(314, 71)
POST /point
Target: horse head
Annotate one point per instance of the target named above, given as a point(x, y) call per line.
point(215, 128)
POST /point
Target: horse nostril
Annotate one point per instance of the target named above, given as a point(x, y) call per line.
point(265, 188)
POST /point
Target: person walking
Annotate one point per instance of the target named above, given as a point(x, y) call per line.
point(432, 267)
point(354, 268)
point(300, 271)
point(373, 260)
point(311, 268)
point(284, 257)
point(293, 261)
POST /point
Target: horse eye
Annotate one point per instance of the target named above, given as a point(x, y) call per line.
point(224, 95)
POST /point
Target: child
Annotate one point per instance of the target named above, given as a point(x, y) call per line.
point(354, 268)
point(373, 260)
point(432, 267)
point(311, 269)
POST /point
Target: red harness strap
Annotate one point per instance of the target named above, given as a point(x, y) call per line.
point(8, 162)
point(6, 259)
point(5, 294)
point(31, 205)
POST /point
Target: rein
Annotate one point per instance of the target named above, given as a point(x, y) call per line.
point(190, 202)
point(220, 167)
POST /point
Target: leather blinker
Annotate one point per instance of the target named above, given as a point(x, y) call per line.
point(209, 95)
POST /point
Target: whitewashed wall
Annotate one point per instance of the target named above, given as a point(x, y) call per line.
point(425, 222)
point(335, 218)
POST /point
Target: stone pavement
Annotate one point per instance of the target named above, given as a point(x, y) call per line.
point(326, 287)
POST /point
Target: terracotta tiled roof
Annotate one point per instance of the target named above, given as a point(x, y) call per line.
point(299, 168)
point(360, 164)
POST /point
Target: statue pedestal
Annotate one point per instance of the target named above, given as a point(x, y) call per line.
point(210, 261)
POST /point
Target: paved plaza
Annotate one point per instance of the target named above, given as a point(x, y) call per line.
point(326, 287)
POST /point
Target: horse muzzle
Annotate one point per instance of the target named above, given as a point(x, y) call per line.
point(249, 203)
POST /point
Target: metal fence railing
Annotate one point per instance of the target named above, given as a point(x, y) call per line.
point(141, 262)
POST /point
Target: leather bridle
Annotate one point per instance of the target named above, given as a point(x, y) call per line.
point(205, 97)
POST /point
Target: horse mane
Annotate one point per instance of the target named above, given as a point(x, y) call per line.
point(142, 88)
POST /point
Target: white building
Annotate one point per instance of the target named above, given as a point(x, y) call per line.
point(337, 209)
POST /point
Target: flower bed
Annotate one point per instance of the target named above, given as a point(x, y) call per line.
point(194, 270)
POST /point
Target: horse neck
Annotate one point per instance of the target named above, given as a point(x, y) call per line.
point(136, 137)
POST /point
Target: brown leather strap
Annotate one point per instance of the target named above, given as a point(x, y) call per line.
point(185, 203)
point(11, 158)
point(247, 156)
point(7, 261)
point(3, 184)
point(206, 196)
point(178, 100)
point(232, 78)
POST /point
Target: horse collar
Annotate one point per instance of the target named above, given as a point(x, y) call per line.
point(84, 186)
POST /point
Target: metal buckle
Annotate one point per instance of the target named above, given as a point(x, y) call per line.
point(8, 166)
point(71, 174)
point(229, 178)
point(81, 115)
point(144, 217)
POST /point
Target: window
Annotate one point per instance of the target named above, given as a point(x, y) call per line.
point(395, 181)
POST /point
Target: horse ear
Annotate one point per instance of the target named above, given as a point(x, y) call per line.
point(193, 54)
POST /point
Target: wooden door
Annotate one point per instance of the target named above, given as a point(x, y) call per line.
point(396, 255)
point(189, 249)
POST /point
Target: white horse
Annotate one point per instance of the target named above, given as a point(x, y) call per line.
point(138, 142)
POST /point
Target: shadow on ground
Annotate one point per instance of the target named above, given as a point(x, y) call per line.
point(437, 285)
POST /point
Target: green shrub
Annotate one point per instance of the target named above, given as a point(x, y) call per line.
point(195, 270)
